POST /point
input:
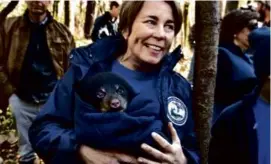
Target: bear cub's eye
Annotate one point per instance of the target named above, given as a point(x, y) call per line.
point(101, 93)
point(119, 89)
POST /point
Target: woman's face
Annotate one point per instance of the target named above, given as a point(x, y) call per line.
point(152, 33)
point(241, 38)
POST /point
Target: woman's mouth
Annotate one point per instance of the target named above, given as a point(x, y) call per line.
point(155, 49)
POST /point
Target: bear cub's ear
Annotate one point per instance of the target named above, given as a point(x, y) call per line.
point(90, 83)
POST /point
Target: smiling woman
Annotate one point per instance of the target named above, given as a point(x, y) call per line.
point(67, 126)
point(151, 35)
point(149, 28)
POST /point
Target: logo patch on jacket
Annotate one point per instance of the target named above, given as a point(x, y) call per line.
point(177, 111)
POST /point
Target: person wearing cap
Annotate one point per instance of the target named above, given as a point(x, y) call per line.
point(241, 135)
point(34, 55)
point(235, 73)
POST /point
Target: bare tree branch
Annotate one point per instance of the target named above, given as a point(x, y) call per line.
point(4, 13)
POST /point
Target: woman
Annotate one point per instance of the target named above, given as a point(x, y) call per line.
point(241, 134)
point(235, 73)
point(139, 55)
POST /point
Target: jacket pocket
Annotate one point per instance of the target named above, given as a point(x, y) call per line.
point(59, 49)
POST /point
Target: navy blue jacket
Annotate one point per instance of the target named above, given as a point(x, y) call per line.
point(235, 77)
point(234, 134)
point(124, 131)
point(52, 134)
point(234, 138)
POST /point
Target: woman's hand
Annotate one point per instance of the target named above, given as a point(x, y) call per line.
point(172, 154)
point(93, 156)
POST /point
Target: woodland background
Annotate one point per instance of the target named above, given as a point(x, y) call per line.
point(79, 16)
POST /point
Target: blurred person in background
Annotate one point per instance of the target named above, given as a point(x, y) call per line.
point(106, 25)
point(34, 52)
point(242, 132)
point(235, 72)
point(263, 8)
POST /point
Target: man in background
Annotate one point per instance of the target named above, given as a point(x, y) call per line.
point(106, 25)
point(34, 52)
point(263, 8)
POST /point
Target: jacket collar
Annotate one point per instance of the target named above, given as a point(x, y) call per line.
point(232, 48)
point(111, 47)
point(236, 51)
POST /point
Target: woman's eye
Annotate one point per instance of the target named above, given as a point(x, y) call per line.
point(169, 28)
point(151, 22)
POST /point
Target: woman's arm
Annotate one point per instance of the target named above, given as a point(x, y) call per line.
point(52, 134)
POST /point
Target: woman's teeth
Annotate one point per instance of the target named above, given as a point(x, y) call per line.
point(154, 47)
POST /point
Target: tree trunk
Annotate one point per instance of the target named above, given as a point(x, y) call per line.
point(207, 36)
point(81, 6)
point(67, 13)
point(185, 20)
point(101, 8)
point(89, 18)
point(231, 5)
point(60, 12)
point(72, 11)
point(55, 7)
point(4, 13)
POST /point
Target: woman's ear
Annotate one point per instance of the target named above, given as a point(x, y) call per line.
point(125, 34)
point(236, 40)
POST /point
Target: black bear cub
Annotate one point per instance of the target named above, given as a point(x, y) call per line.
point(106, 91)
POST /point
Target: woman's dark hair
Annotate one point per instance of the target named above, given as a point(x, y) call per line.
point(114, 3)
point(130, 9)
point(234, 22)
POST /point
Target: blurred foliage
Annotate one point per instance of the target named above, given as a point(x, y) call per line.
point(7, 122)
point(8, 138)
